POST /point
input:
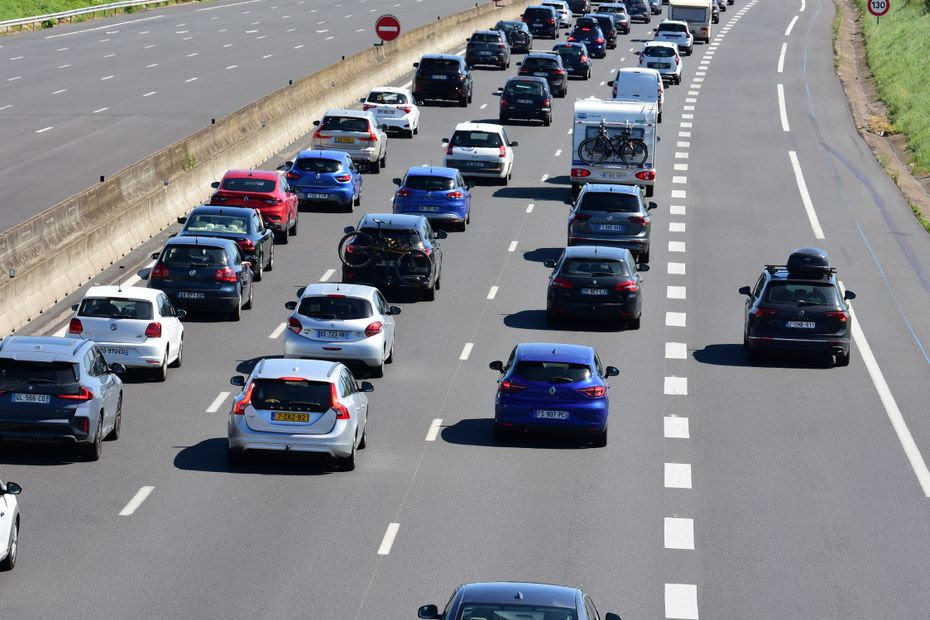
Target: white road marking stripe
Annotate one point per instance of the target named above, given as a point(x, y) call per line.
point(676, 292)
point(679, 533)
point(676, 269)
point(700, 73)
point(781, 57)
point(690, 99)
point(693, 93)
point(558, 152)
point(686, 125)
point(790, 26)
point(688, 107)
point(44, 129)
point(136, 501)
point(99, 110)
point(675, 319)
point(674, 427)
point(569, 131)
point(529, 207)
point(217, 402)
point(134, 278)
point(109, 55)
point(231, 67)
point(805, 196)
point(681, 155)
point(803, 6)
point(433, 431)
point(679, 180)
point(466, 351)
point(679, 193)
point(677, 475)
point(483, 106)
point(107, 77)
point(297, 47)
point(676, 227)
point(684, 134)
point(676, 246)
point(10, 105)
point(683, 144)
point(57, 92)
point(512, 247)
point(62, 49)
point(688, 116)
point(154, 64)
point(681, 167)
point(782, 112)
point(192, 54)
point(544, 177)
point(676, 350)
point(388, 541)
point(677, 210)
point(603, 83)
point(327, 275)
point(493, 292)
point(226, 6)
point(277, 331)
point(225, 45)
point(61, 331)
point(150, 93)
point(328, 38)
point(681, 601)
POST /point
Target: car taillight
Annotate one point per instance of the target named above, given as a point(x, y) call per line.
point(677, 60)
point(239, 408)
point(585, 30)
point(272, 201)
point(501, 151)
point(75, 326)
point(84, 425)
point(225, 274)
point(504, 102)
point(335, 296)
point(406, 109)
point(509, 387)
point(584, 58)
point(638, 219)
point(641, 59)
point(159, 271)
point(344, 178)
point(294, 325)
point(404, 192)
point(291, 175)
point(455, 194)
point(449, 149)
point(570, 38)
point(581, 172)
point(646, 175)
point(761, 313)
point(599, 40)
point(342, 412)
point(841, 316)
point(83, 395)
point(371, 137)
point(561, 282)
point(245, 244)
point(368, 106)
point(595, 391)
point(581, 217)
point(559, 71)
point(153, 330)
point(550, 20)
point(500, 46)
point(373, 329)
point(627, 285)
point(318, 135)
point(547, 103)
point(427, 251)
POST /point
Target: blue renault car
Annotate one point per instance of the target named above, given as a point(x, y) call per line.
point(556, 388)
point(588, 31)
point(441, 195)
point(325, 178)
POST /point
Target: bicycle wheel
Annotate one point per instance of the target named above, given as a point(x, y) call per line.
point(593, 151)
point(412, 264)
point(633, 152)
point(357, 250)
point(520, 39)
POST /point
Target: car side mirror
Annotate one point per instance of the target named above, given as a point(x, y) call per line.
point(300, 291)
point(288, 163)
point(155, 255)
point(440, 234)
point(514, 143)
point(652, 206)
point(397, 181)
point(637, 53)
point(215, 185)
point(610, 83)
point(182, 219)
point(393, 310)
point(362, 100)
point(468, 39)
point(430, 612)
point(445, 140)
point(367, 386)
point(117, 369)
point(549, 263)
point(12, 489)
point(655, 30)
point(383, 127)
point(74, 307)
point(290, 305)
point(416, 64)
point(745, 290)
point(611, 616)
point(348, 229)
point(237, 380)
point(849, 295)
point(497, 365)
point(498, 92)
point(611, 371)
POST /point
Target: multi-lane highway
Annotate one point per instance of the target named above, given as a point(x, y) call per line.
point(789, 489)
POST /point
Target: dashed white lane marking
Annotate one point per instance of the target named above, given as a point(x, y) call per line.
point(107, 77)
point(681, 601)
point(388, 541)
point(790, 26)
point(691, 100)
point(676, 319)
point(136, 501)
point(297, 47)
point(681, 155)
point(191, 55)
point(327, 275)
point(225, 45)
point(217, 402)
point(543, 178)
point(676, 292)
point(675, 269)
point(150, 93)
point(277, 331)
point(231, 67)
point(492, 293)
point(62, 49)
point(679, 180)
point(433, 431)
point(805, 195)
point(781, 57)
point(530, 207)
point(676, 350)
point(328, 38)
point(677, 209)
point(154, 64)
point(679, 533)
point(13, 79)
point(782, 112)
point(466, 351)
point(676, 246)
point(684, 134)
point(44, 129)
point(569, 131)
point(188, 80)
point(683, 144)
point(681, 167)
point(677, 475)
point(688, 116)
point(674, 427)
point(109, 55)
point(679, 193)
point(676, 227)
point(482, 106)
point(686, 125)
point(700, 73)
point(8, 106)
point(512, 247)
point(676, 386)
point(64, 66)
point(99, 110)
point(558, 152)
point(803, 6)
point(688, 107)
point(602, 83)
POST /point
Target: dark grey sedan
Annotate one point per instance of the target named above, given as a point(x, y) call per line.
point(614, 215)
point(506, 599)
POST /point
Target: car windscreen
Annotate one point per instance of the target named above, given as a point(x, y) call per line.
point(801, 293)
point(429, 183)
point(485, 37)
point(518, 88)
point(318, 164)
point(115, 308)
point(402, 237)
point(552, 372)
point(609, 202)
point(479, 611)
point(209, 223)
point(656, 51)
point(538, 14)
point(334, 307)
point(439, 65)
point(22, 371)
point(344, 123)
point(593, 267)
point(249, 184)
point(291, 395)
point(387, 97)
point(541, 64)
point(586, 22)
point(193, 256)
point(477, 139)
point(675, 28)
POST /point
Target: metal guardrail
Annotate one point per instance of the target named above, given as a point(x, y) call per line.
point(64, 15)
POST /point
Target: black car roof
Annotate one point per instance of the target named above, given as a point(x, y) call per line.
point(221, 210)
point(502, 592)
point(392, 221)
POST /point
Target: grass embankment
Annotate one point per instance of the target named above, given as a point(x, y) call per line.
point(14, 9)
point(897, 50)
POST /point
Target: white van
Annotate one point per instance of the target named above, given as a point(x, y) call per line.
point(639, 84)
point(697, 13)
point(636, 119)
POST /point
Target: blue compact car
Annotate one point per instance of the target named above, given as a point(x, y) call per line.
point(588, 31)
point(325, 178)
point(560, 388)
point(441, 195)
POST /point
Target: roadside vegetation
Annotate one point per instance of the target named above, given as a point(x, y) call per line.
point(14, 9)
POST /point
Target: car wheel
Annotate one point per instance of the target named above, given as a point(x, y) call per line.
point(292, 231)
point(463, 102)
point(547, 121)
point(236, 313)
point(503, 120)
point(270, 264)
point(600, 440)
point(180, 358)
point(251, 299)
point(10, 560)
point(635, 323)
point(91, 451)
point(161, 373)
point(390, 357)
point(416, 130)
point(588, 75)
point(113, 435)
point(375, 167)
point(235, 457)
point(258, 271)
point(347, 463)
point(470, 94)
point(376, 371)
point(363, 443)
point(283, 237)
point(429, 294)
point(842, 360)
point(644, 257)
point(382, 163)
point(408, 133)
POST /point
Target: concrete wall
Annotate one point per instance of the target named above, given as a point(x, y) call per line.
point(64, 247)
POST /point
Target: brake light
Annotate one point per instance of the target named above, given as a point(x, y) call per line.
point(85, 425)
point(509, 387)
point(317, 135)
point(581, 217)
point(342, 412)
point(239, 408)
point(75, 326)
point(581, 172)
point(294, 325)
point(225, 274)
point(83, 395)
point(599, 40)
point(159, 271)
point(561, 282)
point(504, 102)
point(368, 106)
point(640, 59)
point(335, 296)
point(646, 175)
point(840, 315)
point(454, 194)
point(585, 30)
point(559, 71)
point(595, 391)
point(550, 20)
point(427, 251)
point(546, 103)
point(406, 109)
point(245, 244)
point(373, 329)
point(677, 60)
point(291, 175)
point(761, 313)
point(501, 151)
point(570, 38)
point(584, 58)
point(638, 219)
point(449, 149)
point(272, 201)
point(371, 136)
point(627, 285)
point(153, 330)
point(403, 193)
point(500, 46)
point(344, 178)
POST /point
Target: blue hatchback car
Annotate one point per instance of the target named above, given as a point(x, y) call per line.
point(441, 195)
point(560, 388)
point(588, 31)
point(325, 178)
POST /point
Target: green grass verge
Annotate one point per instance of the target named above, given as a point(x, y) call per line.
point(13, 9)
point(897, 50)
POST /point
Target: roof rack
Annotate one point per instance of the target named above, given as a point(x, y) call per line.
point(812, 271)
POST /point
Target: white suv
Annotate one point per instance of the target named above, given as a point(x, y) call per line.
point(636, 84)
point(563, 13)
point(356, 132)
point(678, 33)
point(9, 524)
point(480, 150)
point(663, 57)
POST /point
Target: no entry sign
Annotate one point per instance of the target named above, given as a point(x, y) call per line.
point(387, 27)
point(879, 7)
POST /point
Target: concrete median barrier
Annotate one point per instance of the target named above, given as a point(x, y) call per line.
point(50, 255)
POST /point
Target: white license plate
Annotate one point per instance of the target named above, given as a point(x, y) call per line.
point(549, 414)
point(801, 324)
point(484, 52)
point(524, 101)
point(608, 175)
point(317, 196)
point(541, 74)
point(611, 227)
point(330, 333)
point(440, 77)
point(474, 164)
point(190, 295)
point(428, 208)
point(594, 291)
point(115, 350)
point(31, 398)
point(658, 65)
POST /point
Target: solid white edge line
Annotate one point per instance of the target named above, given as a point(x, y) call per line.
point(782, 112)
point(217, 402)
point(136, 501)
point(805, 196)
point(466, 351)
point(781, 57)
point(277, 331)
point(388, 541)
point(433, 431)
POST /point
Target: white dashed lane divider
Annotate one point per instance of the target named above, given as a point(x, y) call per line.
point(675, 427)
point(326, 276)
point(434, 428)
point(466, 351)
point(677, 476)
point(679, 533)
point(492, 293)
point(681, 601)
point(136, 501)
point(388, 541)
point(782, 112)
point(217, 402)
point(676, 386)
point(277, 331)
point(676, 350)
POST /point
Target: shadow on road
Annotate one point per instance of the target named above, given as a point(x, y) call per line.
point(13, 453)
point(540, 255)
point(733, 354)
point(210, 455)
point(536, 320)
point(480, 432)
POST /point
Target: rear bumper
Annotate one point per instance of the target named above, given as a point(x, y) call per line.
point(452, 91)
point(594, 310)
point(530, 112)
point(823, 345)
point(493, 59)
point(338, 443)
point(137, 356)
point(489, 169)
point(383, 278)
point(324, 195)
point(41, 432)
point(369, 352)
point(211, 302)
point(592, 422)
point(633, 244)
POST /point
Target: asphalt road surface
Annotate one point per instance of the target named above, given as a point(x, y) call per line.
point(785, 490)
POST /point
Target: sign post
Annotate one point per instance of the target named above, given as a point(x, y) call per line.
point(879, 8)
point(387, 27)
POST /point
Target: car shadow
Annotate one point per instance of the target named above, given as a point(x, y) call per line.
point(536, 320)
point(562, 179)
point(480, 432)
point(733, 354)
point(557, 194)
point(245, 367)
point(40, 454)
point(209, 455)
point(540, 255)
point(320, 207)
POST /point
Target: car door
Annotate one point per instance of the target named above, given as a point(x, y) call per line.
point(462, 186)
point(290, 197)
point(266, 240)
point(170, 322)
point(357, 399)
point(96, 367)
point(507, 149)
point(429, 236)
point(244, 272)
point(6, 523)
point(387, 320)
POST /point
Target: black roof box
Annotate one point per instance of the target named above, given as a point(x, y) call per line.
point(809, 260)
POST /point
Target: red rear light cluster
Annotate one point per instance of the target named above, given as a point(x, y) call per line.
point(406, 109)
point(83, 395)
point(596, 391)
point(581, 217)
point(449, 149)
point(570, 38)
point(403, 193)
point(368, 106)
point(840, 315)
point(547, 103)
point(761, 313)
point(294, 325)
point(239, 408)
point(273, 201)
point(502, 151)
point(343, 178)
point(581, 172)
point(373, 329)
point(559, 71)
point(75, 326)
point(505, 103)
point(342, 412)
point(371, 137)
point(509, 387)
point(225, 274)
point(646, 175)
point(245, 244)
point(561, 282)
point(638, 219)
point(599, 40)
point(455, 194)
point(153, 330)
point(550, 20)
point(627, 285)
point(291, 175)
point(584, 58)
point(677, 60)
point(159, 272)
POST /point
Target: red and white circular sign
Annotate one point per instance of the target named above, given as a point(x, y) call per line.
point(387, 27)
point(879, 7)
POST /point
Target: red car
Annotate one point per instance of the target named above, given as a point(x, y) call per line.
point(265, 190)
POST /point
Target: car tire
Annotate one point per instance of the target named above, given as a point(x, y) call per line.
point(161, 373)
point(270, 264)
point(258, 272)
point(382, 163)
point(346, 463)
point(236, 313)
point(600, 440)
point(251, 300)
point(180, 358)
point(90, 451)
point(416, 130)
point(588, 75)
point(113, 435)
point(235, 457)
point(643, 258)
point(12, 547)
point(650, 190)
point(376, 372)
point(842, 360)
point(463, 102)
point(408, 133)
point(292, 231)
point(635, 323)
point(363, 442)
point(503, 120)
point(390, 358)
point(659, 118)
point(430, 293)
point(283, 237)
point(547, 121)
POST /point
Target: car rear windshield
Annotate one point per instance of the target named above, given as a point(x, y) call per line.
point(538, 13)
point(403, 237)
point(586, 22)
point(552, 372)
point(341, 308)
point(605, 22)
point(609, 201)
point(479, 139)
point(387, 97)
point(439, 65)
point(507, 26)
point(571, 52)
point(20, 371)
point(344, 123)
point(477, 611)
point(115, 308)
point(486, 37)
point(593, 267)
point(249, 184)
point(291, 395)
point(546, 64)
point(619, 10)
point(193, 256)
point(317, 164)
point(659, 52)
point(429, 183)
point(673, 28)
point(801, 293)
point(216, 224)
point(518, 88)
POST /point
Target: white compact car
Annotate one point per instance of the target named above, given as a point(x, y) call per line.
point(676, 32)
point(9, 524)
point(293, 405)
point(346, 322)
point(636, 84)
point(480, 150)
point(356, 132)
point(663, 57)
point(394, 107)
point(136, 327)
point(562, 12)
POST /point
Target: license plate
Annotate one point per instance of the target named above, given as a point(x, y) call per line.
point(440, 76)
point(801, 324)
point(658, 65)
point(541, 74)
point(524, 101)
point(287, 416)
point(345, 140)
point(428, 208)
point(549, 414)
point(594, 291)
point(386, 263)
point(330, 333)
point(484, 52)
point(115, 350)
point(317, 196)
point(608, 175)
point(611, 227)
point(474, 164)
point(190, 295)
point(31, 398)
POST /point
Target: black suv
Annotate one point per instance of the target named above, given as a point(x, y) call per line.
point(526, 97)
point(548, 65)
point(579, 7)
point(542, 20)
point(442, 76)
point(798, 306)
point(488, 47)
point(575, 59)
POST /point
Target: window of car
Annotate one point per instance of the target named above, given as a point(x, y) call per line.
point(291, 395)
point(536, 63)
point(657, 51)
point(208, 222)
point(594, 267)
point(486, 37)
point(586, 22)
point(381, 303)
point(523, 88)
point(758, 287)
point(25, 371)
point(164, 306)
point(344, 123)
point(115, 308)
point(257, 224)
point(801, 293)
point(552, 372)
point(401, 237)
point(346, 383)
point(100, 363)
point(570, 51)
point(318, 164)
point(194, 256)
point(590, 609)
point(483, 611)
point(91, 365)
point(439, 65)
point(538, 13)
point(249, 184)
point(387, 97)
point(429, 182)
point(334, 307)
point(673, 28)
point(473, 138)
point(609, 202)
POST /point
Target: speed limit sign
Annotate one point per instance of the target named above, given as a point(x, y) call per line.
point(879, 7)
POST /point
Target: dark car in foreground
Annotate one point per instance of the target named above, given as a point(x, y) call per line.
point(547, 65)
point(242, 226)
point(527, 98)
point(509, 600)
point(575, 59)
point(443, 76)
point(798, 307)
